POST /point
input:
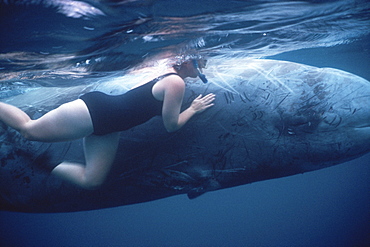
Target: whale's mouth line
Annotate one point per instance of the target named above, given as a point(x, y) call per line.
point(363, 125)
point(362, 128)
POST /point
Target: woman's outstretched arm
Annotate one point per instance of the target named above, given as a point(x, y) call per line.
point(173, 97)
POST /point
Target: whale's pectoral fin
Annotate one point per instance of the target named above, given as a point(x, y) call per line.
point(209, 185)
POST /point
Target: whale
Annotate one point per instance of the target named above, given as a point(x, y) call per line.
point(271, 119)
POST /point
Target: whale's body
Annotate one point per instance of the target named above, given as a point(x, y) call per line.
point(271, 119)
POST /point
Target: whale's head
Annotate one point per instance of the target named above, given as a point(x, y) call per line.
point(330, 116)
point(293, 112)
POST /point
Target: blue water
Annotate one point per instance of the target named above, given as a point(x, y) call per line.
point(329, 207)
point(47, 43)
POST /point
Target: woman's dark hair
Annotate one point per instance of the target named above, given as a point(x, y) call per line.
point(180, 59)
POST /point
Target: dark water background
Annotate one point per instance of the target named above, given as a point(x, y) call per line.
point(64, 43)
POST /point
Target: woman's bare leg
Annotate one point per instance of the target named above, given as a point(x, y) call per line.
point(68, 122)
point(100, 152)
point(13, 116)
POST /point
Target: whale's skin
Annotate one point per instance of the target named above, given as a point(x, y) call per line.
point(271, 119)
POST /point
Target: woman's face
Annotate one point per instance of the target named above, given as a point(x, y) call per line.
point(188, 69)
point(192, 70)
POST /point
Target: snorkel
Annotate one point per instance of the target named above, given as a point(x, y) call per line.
point(200, 74)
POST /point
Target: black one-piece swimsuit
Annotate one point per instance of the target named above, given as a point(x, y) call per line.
point(113, 113)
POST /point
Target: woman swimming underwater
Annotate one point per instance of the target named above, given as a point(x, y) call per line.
point(98, 118)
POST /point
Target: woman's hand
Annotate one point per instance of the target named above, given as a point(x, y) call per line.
point(200, 103)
